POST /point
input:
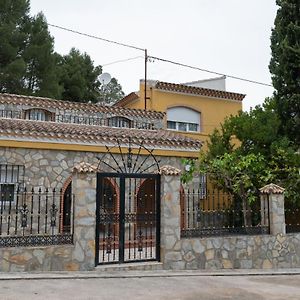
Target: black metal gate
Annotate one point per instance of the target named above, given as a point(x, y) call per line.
point(128, 217)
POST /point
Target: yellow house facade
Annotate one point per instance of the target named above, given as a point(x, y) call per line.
point(191, 109)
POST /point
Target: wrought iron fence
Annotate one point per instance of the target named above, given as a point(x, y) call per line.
point(212, 212)
point(292, 217)
point(35, 217)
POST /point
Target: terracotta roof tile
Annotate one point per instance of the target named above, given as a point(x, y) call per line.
point(169, 170)
point(272, 189)
point(77, 106)
point(93, 134)
point(85, 167)
point(182, 88)
point(127, 99)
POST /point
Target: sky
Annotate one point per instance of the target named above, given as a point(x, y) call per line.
point(226, 36)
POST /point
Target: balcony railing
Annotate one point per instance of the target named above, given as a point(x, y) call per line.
point(107, 120)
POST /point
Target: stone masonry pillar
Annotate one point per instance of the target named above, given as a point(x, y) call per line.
point(170, 218)
point(274, 195)
point(84, 190)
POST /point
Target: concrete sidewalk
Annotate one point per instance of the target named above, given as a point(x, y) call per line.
point(144, 274)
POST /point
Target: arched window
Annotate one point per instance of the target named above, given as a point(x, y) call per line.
point(183, 119)
point(119, 122)
point(38, 114)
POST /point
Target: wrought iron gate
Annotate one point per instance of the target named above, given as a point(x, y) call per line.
point(128, 218)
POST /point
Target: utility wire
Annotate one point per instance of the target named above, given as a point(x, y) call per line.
point(121, 60)
point(208, 71)
point(96, 37)
point(158, 58)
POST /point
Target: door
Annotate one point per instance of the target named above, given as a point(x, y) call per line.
point(127, 218)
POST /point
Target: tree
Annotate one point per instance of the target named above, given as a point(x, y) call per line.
point(80, 79)
point(14, 26)
point(285, 67)
point(261, 156)
point(40, 76)
point(112, 92)
point(27, 60)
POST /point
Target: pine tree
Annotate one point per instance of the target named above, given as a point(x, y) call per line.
point(285, 67)
point(79, 77)
point(40, 77)
point(14, 25)
point(111, 93)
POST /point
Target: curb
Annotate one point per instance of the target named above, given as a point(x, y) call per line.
point(144, 274)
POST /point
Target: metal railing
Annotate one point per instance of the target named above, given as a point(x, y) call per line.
point(212, 212)
point(292, 217)
point(35, 217)
point(105, 120)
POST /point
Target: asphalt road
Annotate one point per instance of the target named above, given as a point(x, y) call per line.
point(175, 288)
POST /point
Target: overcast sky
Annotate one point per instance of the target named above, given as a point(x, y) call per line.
point(226, 36)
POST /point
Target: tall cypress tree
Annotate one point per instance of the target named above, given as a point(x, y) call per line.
point(285, 67)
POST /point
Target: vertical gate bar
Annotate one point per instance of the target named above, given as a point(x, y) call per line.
point(98, 197)
point(157, 212)
point(122, 219)
point(129, 223)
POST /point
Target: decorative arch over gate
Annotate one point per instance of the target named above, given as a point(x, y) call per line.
point(128, 156)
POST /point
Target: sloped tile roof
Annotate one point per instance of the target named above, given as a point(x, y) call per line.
point(85, 167)
point(77, 106)
point(127, 99)
point(272, 189)
point(182, 88)
point(169, 170)
point(89, 134)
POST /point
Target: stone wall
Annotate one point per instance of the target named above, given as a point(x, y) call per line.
point(238, 252)
point(80, 255)
point(51, 168)
point(277, 250)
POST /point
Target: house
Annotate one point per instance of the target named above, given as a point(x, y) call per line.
point(83, 184)
point(44, 141)
point(194, 108)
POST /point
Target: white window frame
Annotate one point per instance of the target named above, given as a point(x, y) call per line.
point(177, 125)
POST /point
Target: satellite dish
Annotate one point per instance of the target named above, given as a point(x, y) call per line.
point(105, 78)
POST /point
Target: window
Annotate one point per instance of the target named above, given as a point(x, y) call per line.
point(37, 115)
point(183, 119)
point(11, 177)
point(181, 126)
point(7, 192)
point(119, 122)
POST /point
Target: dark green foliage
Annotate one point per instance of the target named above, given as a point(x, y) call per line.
point(260, 156)
point(14, 26)
point(29, 65)
point(285, 67)
point(40, 77)
point(79, 77)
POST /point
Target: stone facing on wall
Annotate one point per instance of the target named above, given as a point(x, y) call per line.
point(51, 168)
point(239, 252)
point(80, 256)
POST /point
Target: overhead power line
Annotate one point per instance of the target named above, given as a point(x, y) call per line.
point(208, 71)
point(121, 60)
point(96, 37)
point(157, 58)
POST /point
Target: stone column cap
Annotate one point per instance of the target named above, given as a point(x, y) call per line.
point(272, 189)
point(85, 167)
point(169, 170)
